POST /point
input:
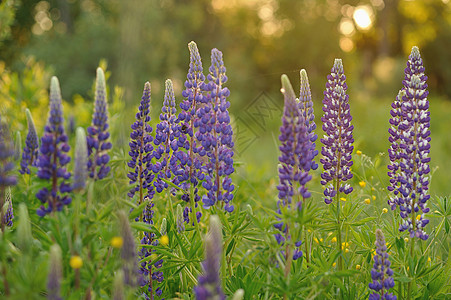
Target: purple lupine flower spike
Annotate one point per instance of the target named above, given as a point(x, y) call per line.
point(141, 150)
point(190, 166)
point(209, 284)
point(412, 159)
point(337, 141)
point(306, 108)
point(55, 274)
point(98, 135)
point(30, 151)
point(295, 160)
point(8, 209)
point(381, 272)
point(81, 159)
point(216, 136)
point(128, 251)
point(53, 158)
point(165, 141)
point(394, 151)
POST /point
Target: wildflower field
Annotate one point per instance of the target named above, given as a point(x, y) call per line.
point(165, 205)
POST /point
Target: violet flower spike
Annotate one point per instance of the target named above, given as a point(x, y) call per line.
point(81, 159)
point(98, 135)
point(166, 143)
point(381, 272)
point(141, 150)
point(413, 176)
point(190, 165)
point(30, 151)
point(295, 161)
point(337, 141)
point(53, 158)
point(215, 135)
point(209, 284)
point(305, 104)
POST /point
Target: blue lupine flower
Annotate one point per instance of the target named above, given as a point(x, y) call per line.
point(209, 284)
point(30, 151)
point(409, 153)
point(81, 159)
point(165, 141)
point(98, 135)
point(8, 215)
point(295, 160)
point(337, 141)
point(306, 108)
point(150, 276)
point(215, 136)
point(141, 150)
point(54, 277)
point(381, 272)
point(190, 165)
point(53, 158)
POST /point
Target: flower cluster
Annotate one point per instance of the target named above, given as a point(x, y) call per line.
point(98, 135)
point(215, 136)
point(148, 271)
point(337, 141)
point(141, 150)
point(305, 104)
point(53, 158)
point(295, 160)
point(381, 272)
point(7, 214)
point(410, 148)
point(30, 151)
point(81, 158)
point(209, 285)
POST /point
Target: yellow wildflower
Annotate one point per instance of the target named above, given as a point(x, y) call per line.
point(429, 259)
point(346, 250)
point(357, 267)
point(76, 262)
point(384, 210)
point(334, 240)
point(374, 198)
point(164, 240)
point(406, 240)
point(418, 217)
point(117, 242)
point(358, 152)
point(367, 201)
point(334, 264)
point(316, 240)
point(343, 199)
point(362, 184)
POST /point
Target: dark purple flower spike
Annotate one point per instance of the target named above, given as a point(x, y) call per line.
point(53, 159)
point(30, 151)
point(216, 136)
point(337, 142)
point(98, 135)
point(381, 272)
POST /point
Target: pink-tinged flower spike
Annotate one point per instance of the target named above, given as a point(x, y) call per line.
point(394, 151)
point(306, 108)
point(98, 135)
point(414, 150)
point(54, 277)
point(209, 286)
point(30, 151)
point(337, 142)
point(190, 164)
point(295, 161)
point(53, 158)
point(81, 158)
point(141, 150)
point(215, 136)
point(381, 272)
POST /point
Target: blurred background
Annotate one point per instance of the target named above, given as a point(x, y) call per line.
point(146, 40)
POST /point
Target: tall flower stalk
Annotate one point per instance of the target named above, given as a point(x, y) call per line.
point(53, 158)
point(188, 155)
point(337, 142)
point(295, 163)
point(30, 151)
point(98, 135)
point(381, 272)
point(81, 158)
point(7, 178)
point(410, 148)
point(215, 136)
